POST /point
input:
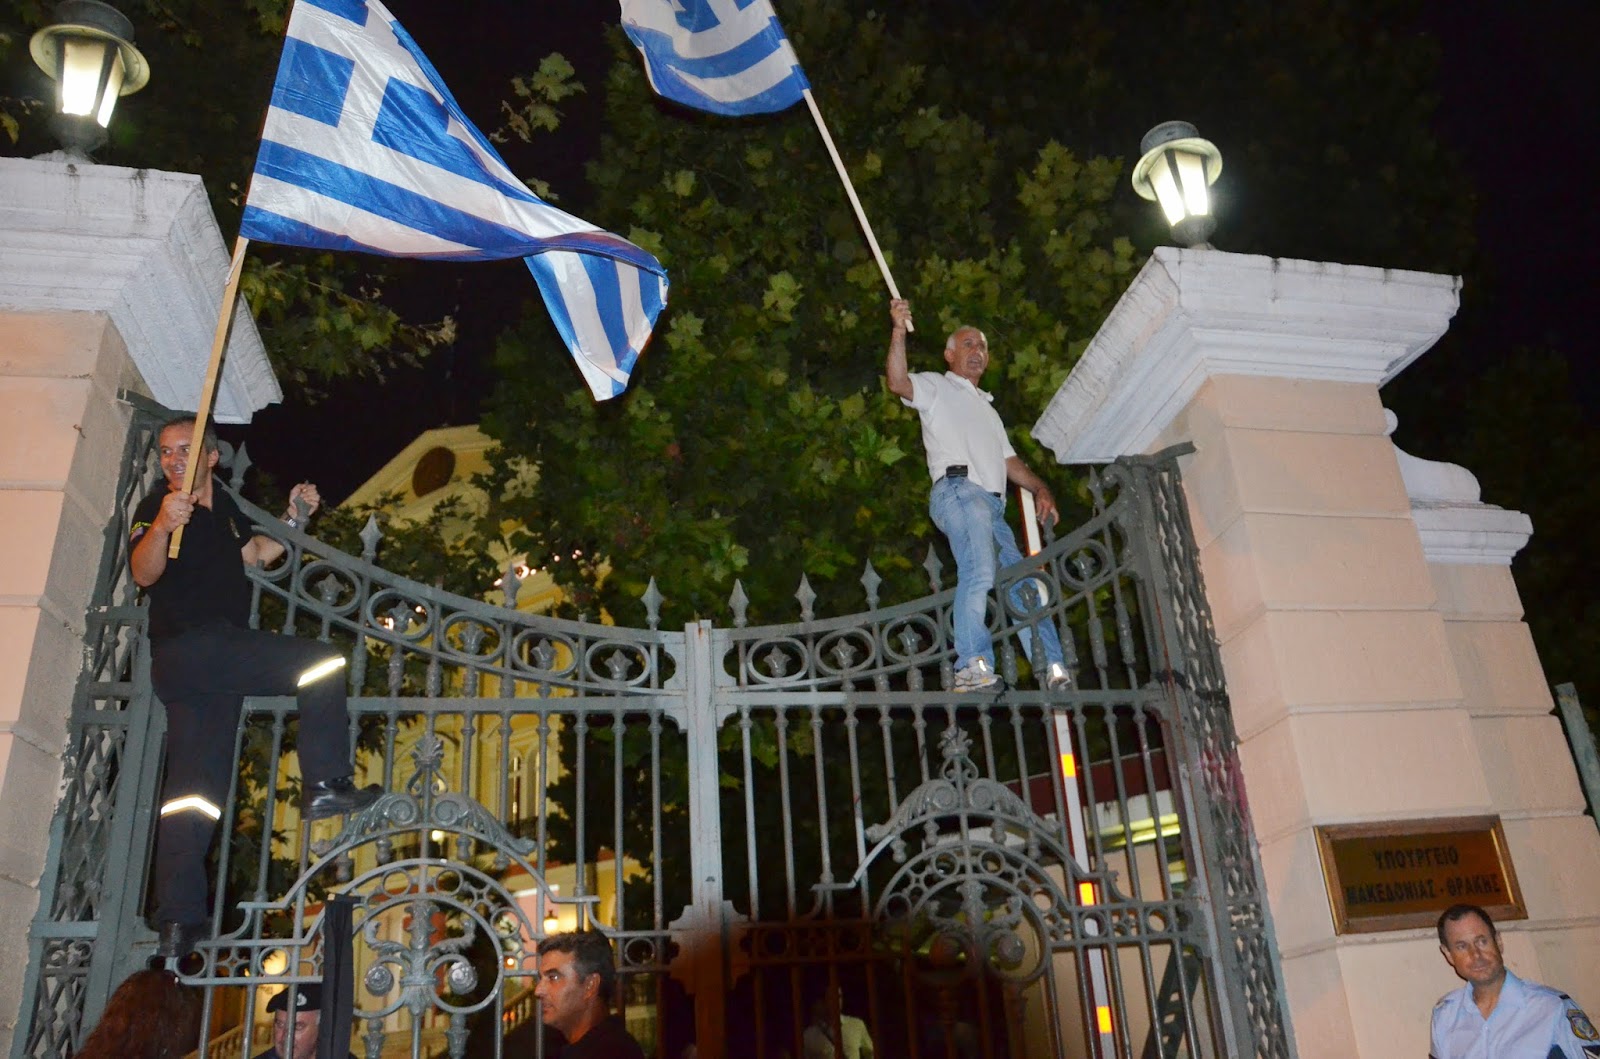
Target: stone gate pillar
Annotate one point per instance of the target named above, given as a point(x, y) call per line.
point(110, 280)
point(1371, 635)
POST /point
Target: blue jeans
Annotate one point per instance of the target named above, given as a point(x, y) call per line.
point(974, 523)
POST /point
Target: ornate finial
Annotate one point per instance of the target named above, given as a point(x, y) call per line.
point(954, 743)
point(544, 654)
point(511, 584)
point(935, 567)
point(428, 756)
point(806, 597)
point(400, 616)
point(740, 604)
point(652, 603)
point(777, 662)
point(617, 665)
point(1085, 564)
point(371, 534)
point(1008, 663)
point(241, 464)
point(870, 581)
point(327, 589)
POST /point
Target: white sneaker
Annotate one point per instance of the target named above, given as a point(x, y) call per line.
point(1056, 678)
point(975, 676)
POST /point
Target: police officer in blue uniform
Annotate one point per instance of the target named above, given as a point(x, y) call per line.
point(1497, 1015)
point(205, 659)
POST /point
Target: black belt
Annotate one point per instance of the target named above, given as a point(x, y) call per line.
point(959, 470)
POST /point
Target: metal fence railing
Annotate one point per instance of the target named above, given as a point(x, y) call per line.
point(761, 817)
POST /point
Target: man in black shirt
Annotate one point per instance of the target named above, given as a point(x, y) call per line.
point(205, 659)
point(576, 976)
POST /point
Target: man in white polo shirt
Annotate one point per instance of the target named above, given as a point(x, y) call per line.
point(971, 460)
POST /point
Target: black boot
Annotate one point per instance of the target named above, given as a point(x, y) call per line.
point(174, 941)
point(336, 797)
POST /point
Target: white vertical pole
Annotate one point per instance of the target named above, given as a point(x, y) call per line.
point(1103, 1038)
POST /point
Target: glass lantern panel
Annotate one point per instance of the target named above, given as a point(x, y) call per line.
point(82, 59)
point(1192, 172)
point(113, 90)
point(1164, 178)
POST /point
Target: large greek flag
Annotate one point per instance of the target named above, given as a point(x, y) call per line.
point(365, 149)
point(725, 56)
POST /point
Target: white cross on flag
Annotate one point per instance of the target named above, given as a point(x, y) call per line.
point(364, 148)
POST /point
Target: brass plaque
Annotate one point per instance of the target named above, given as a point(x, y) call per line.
point(1402, 874)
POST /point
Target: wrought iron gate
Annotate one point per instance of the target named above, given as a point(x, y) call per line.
point(775, 823)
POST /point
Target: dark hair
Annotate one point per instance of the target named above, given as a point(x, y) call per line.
point(150, 1016)
point(187, 419)
point(591, 954)
point(1459, 912)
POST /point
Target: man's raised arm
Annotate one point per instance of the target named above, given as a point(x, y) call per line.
point(894, 364)
point(262, 550)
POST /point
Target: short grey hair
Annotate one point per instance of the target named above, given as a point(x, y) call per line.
point(950, 342)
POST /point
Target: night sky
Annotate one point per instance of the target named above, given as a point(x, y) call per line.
point(1518, 106)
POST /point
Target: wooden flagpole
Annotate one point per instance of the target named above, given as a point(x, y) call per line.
point(208, 390)
point(849, 189)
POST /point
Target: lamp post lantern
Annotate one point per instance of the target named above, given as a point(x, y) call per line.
point(1177, 169)
point(88, 50)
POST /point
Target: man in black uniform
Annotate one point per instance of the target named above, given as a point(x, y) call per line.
point(576, 977)
point(205, 659)
point(295, 1036)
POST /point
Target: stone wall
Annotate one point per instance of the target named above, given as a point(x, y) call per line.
point(1370, 630)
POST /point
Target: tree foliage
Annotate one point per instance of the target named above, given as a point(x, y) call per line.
point(757, 441)
point(983, 138)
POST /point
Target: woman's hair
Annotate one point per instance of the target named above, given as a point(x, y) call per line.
point(150, 1016)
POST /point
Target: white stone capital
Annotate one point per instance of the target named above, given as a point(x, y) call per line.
point(144, 248)
point(1470, 534)
point(1455, 525)
point(1193, 314)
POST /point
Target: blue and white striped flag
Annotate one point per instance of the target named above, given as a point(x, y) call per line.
point(365, 149)
point(725, 56)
